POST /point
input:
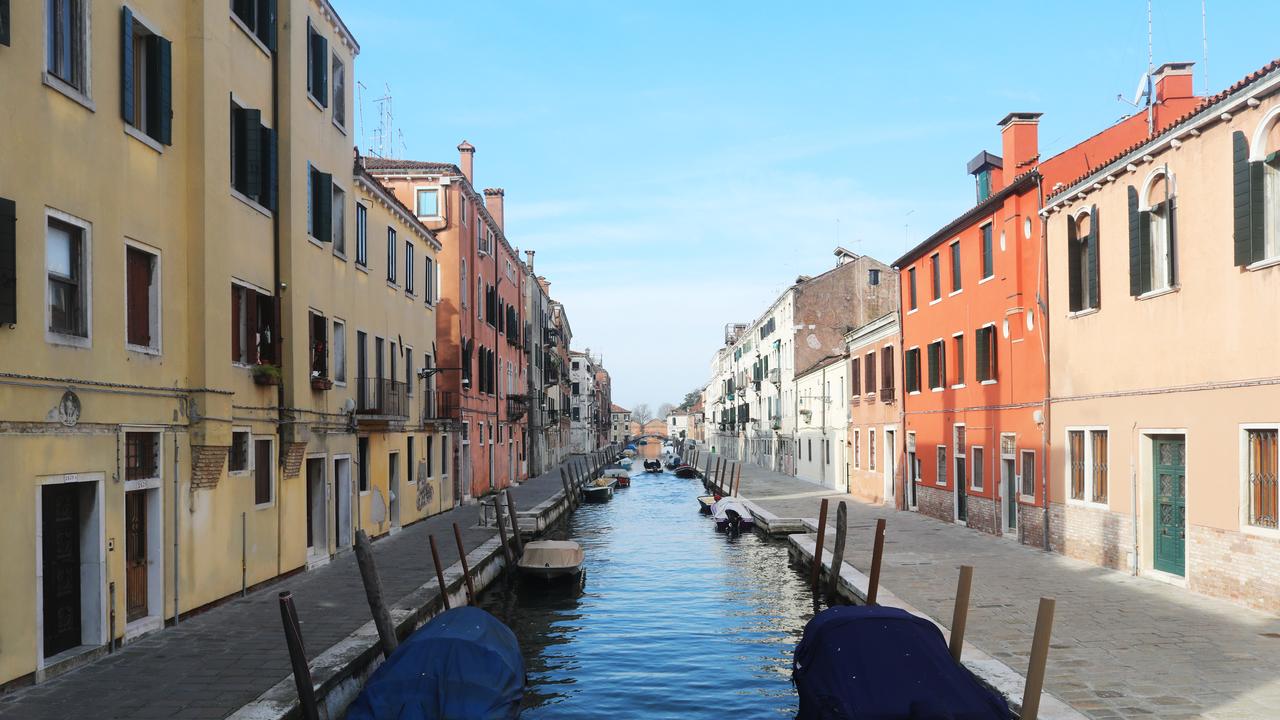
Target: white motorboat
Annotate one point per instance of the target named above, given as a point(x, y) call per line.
point(551, 559)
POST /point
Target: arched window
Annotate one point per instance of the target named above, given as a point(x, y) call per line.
point(1082, 259)
point(1256, 190)
point(1152, 235)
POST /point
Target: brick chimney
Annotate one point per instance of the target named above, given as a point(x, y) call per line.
point(493, 203)
point(529, 255)
point(466, 154)
point(1018, 138)
point(1173, 80)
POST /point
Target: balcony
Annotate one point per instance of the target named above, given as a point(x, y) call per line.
point(382, 399)
point(517, 407)
point(441, 406)
point(886, 395)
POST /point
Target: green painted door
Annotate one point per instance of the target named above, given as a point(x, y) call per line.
point(1170, 456)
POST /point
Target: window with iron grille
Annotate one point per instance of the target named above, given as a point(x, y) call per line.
point(1029, 473)
point(942, 465)
point(1087, 471)
point(141, 462)
point(238, 460)
point(1261, 480)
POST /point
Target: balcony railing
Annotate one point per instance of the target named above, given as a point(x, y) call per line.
point(517, 406)
point(380, 396)
point(441, 405)
point(886, 394)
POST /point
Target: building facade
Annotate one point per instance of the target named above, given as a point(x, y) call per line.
point(875, 412)
point(620, 425)
point(678, 424)
point(1168, 469)
point(822, 419)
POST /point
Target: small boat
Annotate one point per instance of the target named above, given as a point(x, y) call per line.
point(619, 473)
point(730, 514)
point(653, 466)
point(464, 663)
point(686, 471)
point(551, 559)
point(599, 490)
point(625, 462)
point(705, 502)
point(884, 662)
point(673, 462)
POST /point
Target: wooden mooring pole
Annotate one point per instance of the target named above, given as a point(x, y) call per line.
point(435, 558)
point(737, 480)
point(873, 584)
point(373, 592)
point(502, 531)
point(515, 523)
point(298, 658)
point(960, 616)
point(817, 548)
point(837, 551)
point(1039, 654)
point(466, 567)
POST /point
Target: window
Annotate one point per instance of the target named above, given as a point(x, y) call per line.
point(871, 448)
point(362, 235)
point(430, 458)
point(408, 267)
point(141, 460)
point(319, 346)
point(988, 264)
point(339, 72)
point(913, 370)
point(957, 344)
point(911, 287)
point(238, 458)
point(263, 472)
point(317, 65)
point(462, 208)
point(935, 270)
point(857, 449)
point(962, 467)
point(362, 464)
point(339, 351)
point(576, 414)
point(855, 376)
point(252, 325)
point(873, 278)
point(142, 311)
point(1256, 191)
point(979, 467)
point(66, 247)
point(937, 365)
point(259, 18)
point(4, 23)
point(1261, 458)
point(429, 280)
point(1082, 260)
point(1029, 473)
point(146, 91)
point(320, 209)
point(339, 221)
point(391, 254)
point(1087, 464)
point(985, 344)
point(428, 202)
point(955, 267)
point(66, 42)
point(942, 465)
point(253, 157)
point(886, 373)
point(1151, 238)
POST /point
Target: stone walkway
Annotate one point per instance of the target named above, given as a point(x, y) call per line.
point(211, 665)
point(1122, 646)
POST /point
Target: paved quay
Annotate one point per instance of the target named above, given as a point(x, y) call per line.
point(212, 664)
point(1122, 646)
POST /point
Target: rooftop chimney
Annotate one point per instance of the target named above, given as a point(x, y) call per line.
point(529, 254)
point(1173, 80)
point(493, 203)
point(1018, 137)
point(466, 153)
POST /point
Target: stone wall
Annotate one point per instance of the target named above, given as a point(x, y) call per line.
point(1233, 565)
point(935, 503)
point(1095, 535)
point(981, 514)
point(1031, 520)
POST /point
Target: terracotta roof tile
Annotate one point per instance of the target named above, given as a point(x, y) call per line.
point(382, 164)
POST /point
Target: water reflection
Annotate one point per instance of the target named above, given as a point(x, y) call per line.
point(674, 619)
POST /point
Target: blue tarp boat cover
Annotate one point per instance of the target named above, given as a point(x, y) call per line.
point(463, 665)
point(876, 662)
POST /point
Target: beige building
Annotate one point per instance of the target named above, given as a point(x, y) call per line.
point(1163, 440)
point(822, 419)
point(875, 412)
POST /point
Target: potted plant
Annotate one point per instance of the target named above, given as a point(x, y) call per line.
point(319, 382)
point(265, 374)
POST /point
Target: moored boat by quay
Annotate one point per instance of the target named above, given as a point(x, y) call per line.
point(551, 559)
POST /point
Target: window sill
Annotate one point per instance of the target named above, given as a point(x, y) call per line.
point(57, 338)
point(339, 254)
point(988, 382)
point(143, 138)
point(239, 473)
point(393, 284)
point(411, 294)
point(1081, 313)
point(913, 311)
point(1088, 504)
point(265, 506)
point(988, 278)
point(954, 293)
point(1264, 264)
point(914, 392)
point(938, 389)
point(143, 350)
point(362, 267)
point(71, 91)
point(314, 101)
point(250, 202)
point(316, 241)
point(958, 387)
point(1261, 532)
point(1157, 293)
point(249, 33)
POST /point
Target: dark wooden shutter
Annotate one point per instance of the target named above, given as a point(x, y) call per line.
point(933, 365)
point(1241, 177)
point(857, 378)
point(322, 186)
point(138, 268)
point(267, 23)
point(870, 370)
point(8, 262)
point(910, 359)
point(1073, 266)
point(995, 354)
point(1092, 269)
point(267, 194)
point(1144, 249)
point(886, 368)
point(236, 293)
point(4, 22)
point(251, 324)
point(980, 345)
point(160, 62)
point(319, 66)
point(1135, 245)
point(126, 66)
point(249, 155)
point(1257, 227)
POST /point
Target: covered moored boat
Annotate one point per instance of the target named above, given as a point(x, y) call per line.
point(730, 513)
point(705, 502)
point(551, 559)
point(686, 471)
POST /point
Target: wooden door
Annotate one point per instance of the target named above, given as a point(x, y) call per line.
point(60, 560)
point(1170, 456)
point(135, 554)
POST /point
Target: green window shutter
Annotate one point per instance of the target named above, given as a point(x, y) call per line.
point(4, 22)
point(1092, 269)
point(1073, 267)
point(323, 204)
point(933, 365)
point(323, 69)
point(249, 162)
point(161, 106)
point(1241, 179)
point(267, 193)
point(1135, 245)
point(980, 347)
point(8, 260)
point(1144, 248)
point(994, 349)
point(126, 66)
point(267, 23)
point(1257, 227)
point(311, 59)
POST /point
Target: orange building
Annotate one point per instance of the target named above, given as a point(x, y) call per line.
point(975, 341)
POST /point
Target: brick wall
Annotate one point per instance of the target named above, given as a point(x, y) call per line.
point(935, 503)
point(1031, 520)
point(206, 465)
point(294, 453)
point(1236, 566)
point(981, 514)
point(1092, 534)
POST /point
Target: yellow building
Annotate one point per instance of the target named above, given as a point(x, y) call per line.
point(188, 268)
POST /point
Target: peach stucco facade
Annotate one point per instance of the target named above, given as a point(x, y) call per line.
point(874, 436)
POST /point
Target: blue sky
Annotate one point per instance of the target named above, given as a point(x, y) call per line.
point(676, 165)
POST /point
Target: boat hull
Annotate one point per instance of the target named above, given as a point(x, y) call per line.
point(550, 574)
point(598, 494)
point(746, 523)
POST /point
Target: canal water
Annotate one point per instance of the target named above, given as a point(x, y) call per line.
point(672, 620)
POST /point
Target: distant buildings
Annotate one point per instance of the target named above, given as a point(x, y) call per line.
point(619, 425)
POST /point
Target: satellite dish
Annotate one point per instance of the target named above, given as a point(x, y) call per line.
point(1144, 89)
point(348, 405)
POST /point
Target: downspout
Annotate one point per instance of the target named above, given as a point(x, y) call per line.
point(1042, 306)
point(1133, 496)
point(277, 321)
point(176, 546)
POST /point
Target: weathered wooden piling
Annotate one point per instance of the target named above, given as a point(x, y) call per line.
point(873, 584)
point(737, 480)
point(817, 549)
point(502, 532)
point(837, 551)
point(466, 567)
point(435, 558)
point(373, 592)
point(960, 615)
point(515, 523)
point(1039, 654)
point(298, 658)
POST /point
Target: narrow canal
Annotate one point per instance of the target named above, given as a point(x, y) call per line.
point(673, 619)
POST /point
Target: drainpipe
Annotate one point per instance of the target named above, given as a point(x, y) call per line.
point(277, 345)
point(909, 472)
point(1042, 306)
point(1133, 495)
point(176, 547)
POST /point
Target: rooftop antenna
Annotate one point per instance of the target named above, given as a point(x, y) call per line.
point(1144, 95)
point(384, 134)
point(1204, 39)
point(360, 127)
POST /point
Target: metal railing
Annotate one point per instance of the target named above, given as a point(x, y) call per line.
point(441, 405)
point(886, 394)
point(380, 396)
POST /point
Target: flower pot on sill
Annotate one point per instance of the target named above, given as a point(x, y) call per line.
point(321, 383)
point(266, 375)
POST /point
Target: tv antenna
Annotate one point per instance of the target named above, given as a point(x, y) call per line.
point(384, 134)
point(1144, 95)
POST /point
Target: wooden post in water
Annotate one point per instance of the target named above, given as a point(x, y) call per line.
point(960, 616)
point(502, 531)
point(715, 482)
point(515, 524)
point(435, 558)
point(873, 585)
point(837, 551)
point(817, 549)
point(298, 658)
point(737, 480)
point(1039, 654)
point(466, 568)
point(706, 474)
point(373, 591)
